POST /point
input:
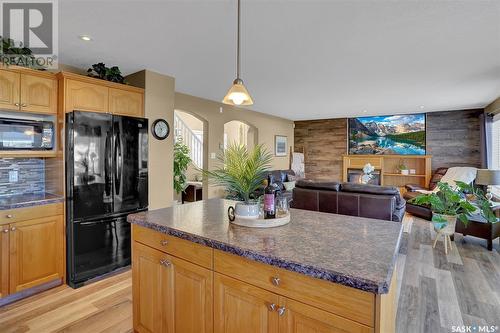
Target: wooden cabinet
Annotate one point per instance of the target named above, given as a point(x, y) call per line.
point(174, 295)
point(31, 247)
point(28, 91)
point(170, 294)
point(36, 252)
point(89, 94)
point(243, 308)
point(9, 90)
point(125, 103)
point(38, 94)
point(4, 260)
point(83, 96)
point(296, 317)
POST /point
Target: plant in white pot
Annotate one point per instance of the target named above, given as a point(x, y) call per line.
point(241, 172)
point(449, 203)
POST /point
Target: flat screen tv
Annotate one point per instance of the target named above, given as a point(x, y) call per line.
point(387, 135)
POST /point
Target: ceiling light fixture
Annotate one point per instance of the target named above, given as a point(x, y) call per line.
point(238, 93)
point(85, 38)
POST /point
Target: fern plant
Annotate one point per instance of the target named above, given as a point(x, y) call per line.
point(181, 163)
point(241, 171)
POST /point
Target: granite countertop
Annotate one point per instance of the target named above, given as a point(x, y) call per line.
point(29, 200)
point(356, 252)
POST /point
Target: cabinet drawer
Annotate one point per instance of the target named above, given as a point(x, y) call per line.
point(347, 302)
point(30, 213)
point(195, 253)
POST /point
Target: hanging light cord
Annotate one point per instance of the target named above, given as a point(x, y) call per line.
point(238, 45)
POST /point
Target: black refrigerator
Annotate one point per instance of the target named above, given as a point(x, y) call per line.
point(106, 179)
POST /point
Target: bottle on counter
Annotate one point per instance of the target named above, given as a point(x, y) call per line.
point(269, 202)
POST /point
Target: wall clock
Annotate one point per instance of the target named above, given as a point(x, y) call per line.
point(160, 129)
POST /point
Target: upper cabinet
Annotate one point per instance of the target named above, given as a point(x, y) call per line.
point(10, 83)
point(38, 94)
point(88, 94)
point(28, 91)
point(126, 103)
point(84, 96)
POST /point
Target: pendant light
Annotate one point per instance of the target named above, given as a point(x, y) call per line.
point(238, 94)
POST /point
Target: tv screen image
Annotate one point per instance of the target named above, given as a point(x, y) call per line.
point(387, 135)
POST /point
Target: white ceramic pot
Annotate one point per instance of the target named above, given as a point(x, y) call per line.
point(405, 172)
point(249, 210)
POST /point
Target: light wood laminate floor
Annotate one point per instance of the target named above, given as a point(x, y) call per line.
point(436, 292)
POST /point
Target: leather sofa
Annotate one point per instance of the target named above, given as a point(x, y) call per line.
point(372, 201)
point(411, 192)
point(278, 177)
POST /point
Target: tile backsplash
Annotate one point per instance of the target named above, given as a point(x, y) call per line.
point(30, 176)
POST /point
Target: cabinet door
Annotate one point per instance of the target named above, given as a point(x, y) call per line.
point(149, 283)
point(243, 308)
point(84, 96)
point(190, 297)
point(36, 252)
point(4, 260)
point(38, 94)
point(126, 103)
point(170, 294)
point(296, 317)
point(10, 90)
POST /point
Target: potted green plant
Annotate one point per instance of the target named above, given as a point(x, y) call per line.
point(101, 71)
point(402, 168)
point(241, 172)
point(181, 163)
point(450, 203)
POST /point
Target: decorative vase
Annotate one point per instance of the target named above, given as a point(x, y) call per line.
point(451, 221)
point(248, 210)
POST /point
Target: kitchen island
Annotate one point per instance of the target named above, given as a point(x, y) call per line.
point(193, 271)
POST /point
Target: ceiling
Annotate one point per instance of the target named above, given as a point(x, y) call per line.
point(301, 59)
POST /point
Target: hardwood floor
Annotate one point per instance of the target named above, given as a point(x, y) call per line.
point(436, 292)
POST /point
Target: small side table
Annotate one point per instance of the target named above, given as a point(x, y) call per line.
point(479, 227)
point(193, 192)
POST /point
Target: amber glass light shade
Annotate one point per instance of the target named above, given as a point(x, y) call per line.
point(238, 94)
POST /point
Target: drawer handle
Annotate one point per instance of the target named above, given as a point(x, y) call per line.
point(276, 281)
point(165, 262)
point(13, 229)
point(271, 307)
point(281, 311)
point(163, 242)
point(9, 216)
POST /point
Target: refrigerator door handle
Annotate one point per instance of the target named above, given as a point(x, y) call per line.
point(118, 164)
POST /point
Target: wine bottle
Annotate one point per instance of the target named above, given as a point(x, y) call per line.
point(269, 202)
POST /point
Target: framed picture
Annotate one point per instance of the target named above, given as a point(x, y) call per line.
point(280, 145)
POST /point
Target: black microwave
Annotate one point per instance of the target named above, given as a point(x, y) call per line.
point(24, 134)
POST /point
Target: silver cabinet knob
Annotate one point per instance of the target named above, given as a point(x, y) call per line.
point(163, 242)
point(16, 104)
point(24, 105)
point(165, 262)
point(281, 310)
point(276, 281)
point(13, 229)
point(5, 230)
point(9, 216)
point(271, 307)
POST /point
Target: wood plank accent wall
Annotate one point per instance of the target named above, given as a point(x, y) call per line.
point(453, 139)
point(324, 143)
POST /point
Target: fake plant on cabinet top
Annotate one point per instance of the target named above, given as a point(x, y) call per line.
point(460, 202)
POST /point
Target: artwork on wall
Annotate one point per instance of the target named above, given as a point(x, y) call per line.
point(280, 144)
point(399, 134)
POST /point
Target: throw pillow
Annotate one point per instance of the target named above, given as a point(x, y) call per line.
point(292, 178)
point(289, 186)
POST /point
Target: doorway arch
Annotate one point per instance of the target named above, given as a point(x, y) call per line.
point(240, 132)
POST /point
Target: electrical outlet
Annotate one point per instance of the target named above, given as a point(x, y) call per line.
point(13, 176)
